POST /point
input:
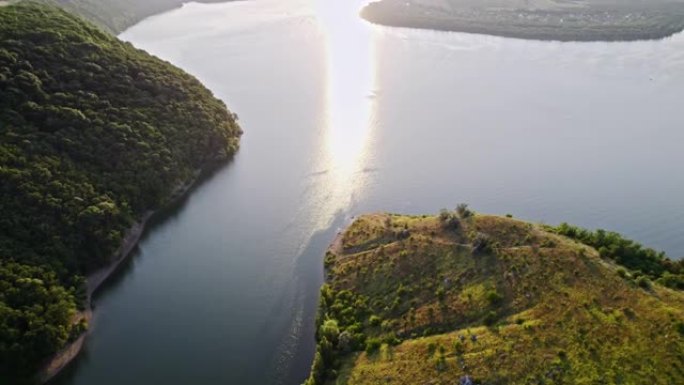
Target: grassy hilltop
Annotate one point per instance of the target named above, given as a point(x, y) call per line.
point(94, 133)
point(455, 298)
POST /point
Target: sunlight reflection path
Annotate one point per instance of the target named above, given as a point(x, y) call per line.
point(339, 169)
point(350, 67)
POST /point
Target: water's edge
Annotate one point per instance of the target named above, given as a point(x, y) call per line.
point(62, 359)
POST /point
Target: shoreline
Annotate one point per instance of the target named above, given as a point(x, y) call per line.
point(61, 360)
point(596, 21)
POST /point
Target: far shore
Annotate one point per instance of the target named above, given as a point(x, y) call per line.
point(559, 20)
point(94, 281)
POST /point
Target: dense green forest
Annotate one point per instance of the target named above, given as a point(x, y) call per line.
point(117, 15)
point(93, 134)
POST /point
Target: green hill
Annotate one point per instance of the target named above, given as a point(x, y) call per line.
point(461, 297)
point(93, 134)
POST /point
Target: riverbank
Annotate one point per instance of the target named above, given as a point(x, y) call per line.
point(594, 20)
point(96, 279)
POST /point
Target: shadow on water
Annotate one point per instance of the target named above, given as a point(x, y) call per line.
point(161, 217)
point(300, 343)
point(173, 209)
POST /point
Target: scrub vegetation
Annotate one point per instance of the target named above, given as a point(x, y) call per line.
point(463, 298)
point(93, 135)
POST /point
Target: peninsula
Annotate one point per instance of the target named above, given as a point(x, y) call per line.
point(463, 298)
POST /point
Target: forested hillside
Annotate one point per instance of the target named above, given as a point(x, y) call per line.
point(117, 15)
point(93, 134)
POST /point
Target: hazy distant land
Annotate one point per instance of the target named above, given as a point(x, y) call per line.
point(117, 15)
point(564, 20)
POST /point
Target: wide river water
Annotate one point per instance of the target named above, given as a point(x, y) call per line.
point(342, 117)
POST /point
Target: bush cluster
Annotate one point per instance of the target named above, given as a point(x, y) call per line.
point(632, 255)
point(340, 322)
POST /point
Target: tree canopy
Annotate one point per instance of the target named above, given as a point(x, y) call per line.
point(630, 254)
point(93, 134)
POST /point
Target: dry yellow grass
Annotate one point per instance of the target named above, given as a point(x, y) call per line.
point(535, 308)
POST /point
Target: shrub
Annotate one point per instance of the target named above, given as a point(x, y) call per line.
point(330, 330)
point(391, 339)
point(345, 342)
point(547, 243)
point(493, 297)
point(463, 211)
point(452, 223)
point(403, 234)
point(629, 313)
point(490, 318)
point(441, 364)
point(401, 290)
point(482, 243)
point(329, 259)
point(680, 328)
point(459, 349)
point(440, 294)
point(373, 345)
point(317, 375)
point(449, 220)
point(444, 214)
point(622, 272)
point(673, 281)
point(374, 320)
point(643, 282)
point(432, 348)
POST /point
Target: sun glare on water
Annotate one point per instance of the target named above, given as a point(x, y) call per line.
point(339, 169)
point(349, 87)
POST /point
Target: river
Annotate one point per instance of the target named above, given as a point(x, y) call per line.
point(342, 117)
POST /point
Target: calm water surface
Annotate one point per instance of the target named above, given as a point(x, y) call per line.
point(341, 118)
